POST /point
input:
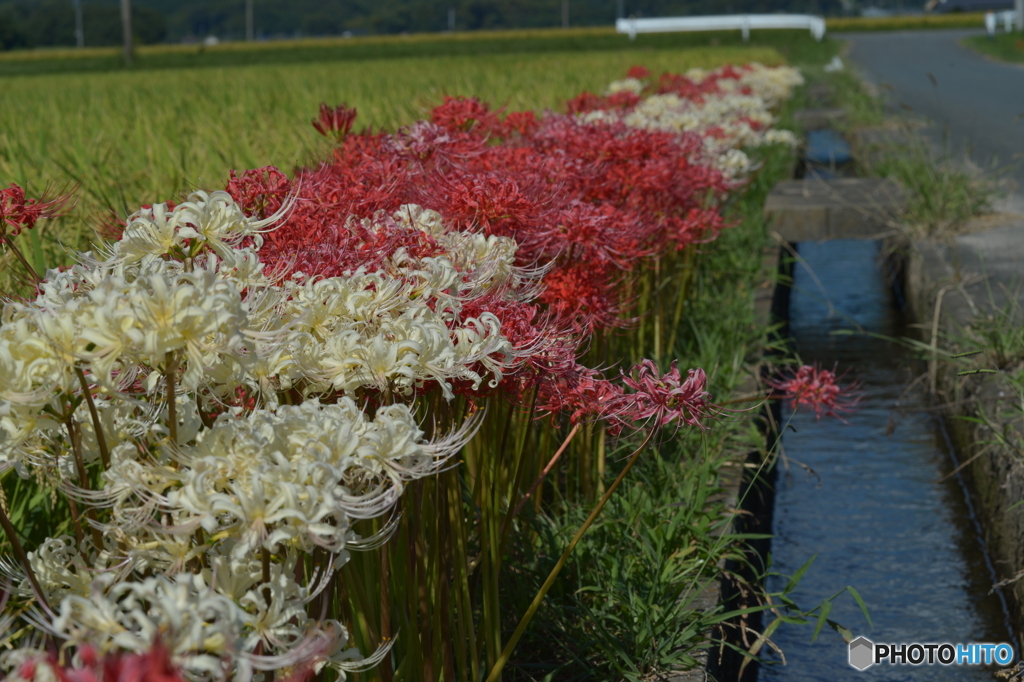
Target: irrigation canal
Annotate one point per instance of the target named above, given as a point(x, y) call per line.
point(879, 510)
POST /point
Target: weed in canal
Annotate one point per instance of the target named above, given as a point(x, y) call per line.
point(942, 194)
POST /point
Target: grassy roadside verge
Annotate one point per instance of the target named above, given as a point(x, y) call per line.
point(628, 608)
point(1007, 47)
point(943, 193)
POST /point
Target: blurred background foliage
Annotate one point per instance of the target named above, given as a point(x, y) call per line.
point(44, 23)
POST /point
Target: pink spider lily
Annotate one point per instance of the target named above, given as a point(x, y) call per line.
point(661, 399)
point(153, 666)
point(668, 398)
point(818, 389)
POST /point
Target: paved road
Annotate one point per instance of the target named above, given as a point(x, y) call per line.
point(977, 105)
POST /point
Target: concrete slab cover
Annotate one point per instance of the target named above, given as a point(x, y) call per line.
point(817, 119)
point(813, 209)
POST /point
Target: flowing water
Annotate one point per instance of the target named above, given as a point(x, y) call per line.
point(874, 510)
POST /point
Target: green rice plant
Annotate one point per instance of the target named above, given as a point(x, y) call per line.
point(908, 22)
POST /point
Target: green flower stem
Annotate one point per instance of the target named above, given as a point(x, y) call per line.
point(171, 359)
point(36, 279)
point(75, 434)
point(101, 439)
point(19, 553)
point(546, 471)
point(495, 673)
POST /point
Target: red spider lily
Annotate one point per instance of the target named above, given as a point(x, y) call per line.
point(18, 213)
point(336, 122)
point(586, 292)
point(152, 666)
point(261, 191)
point(816, 388)
point(638, 72)
point(685, 87)
point(699, 225)
point(586, 101)
point(580, 392)
point(623, 100)
point(661, 399)
point(465, 114)
point(492, 203)
point(666, 399)
point(597, 233)
point(436, 146)
point(523, 122)
point(591, 200)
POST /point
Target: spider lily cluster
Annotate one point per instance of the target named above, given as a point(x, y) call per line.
point(304, 405)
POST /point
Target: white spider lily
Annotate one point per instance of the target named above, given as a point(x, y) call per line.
point(198, 625)
point(191, 527)
point(299, 474)
point(212, 219)
point(739, 112)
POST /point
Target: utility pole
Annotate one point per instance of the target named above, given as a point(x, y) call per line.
point(565, 13)
point(79, 30)
point(451, 19)
point(1018, 22)
point(620, 9)
point(249, 33)
point(126, 25)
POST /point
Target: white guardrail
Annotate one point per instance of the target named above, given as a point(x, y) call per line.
point(992, 19)
point(724, 22)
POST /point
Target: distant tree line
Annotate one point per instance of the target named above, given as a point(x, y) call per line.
point(31, 23)
point(225, 18)
point(51, 23)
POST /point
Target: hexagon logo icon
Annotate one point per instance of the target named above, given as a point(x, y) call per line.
point(862, 653)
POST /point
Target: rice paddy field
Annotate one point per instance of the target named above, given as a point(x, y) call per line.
point(910, 22)
point(126, 138)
